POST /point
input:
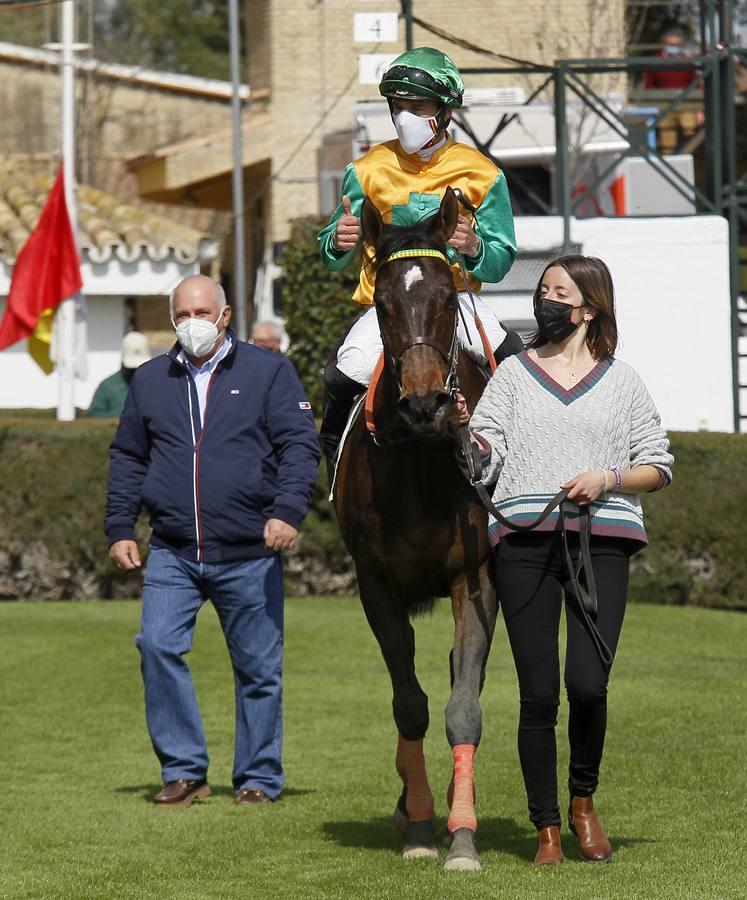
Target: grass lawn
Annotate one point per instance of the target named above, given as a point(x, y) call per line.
point(78, 769)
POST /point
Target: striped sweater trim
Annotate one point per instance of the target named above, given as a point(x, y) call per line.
point(566, 396)
point(611, 518)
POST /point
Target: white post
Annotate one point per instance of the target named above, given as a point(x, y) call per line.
point(239, 240)
point(66, 311)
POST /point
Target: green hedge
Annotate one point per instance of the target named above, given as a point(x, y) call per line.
point(52, 545)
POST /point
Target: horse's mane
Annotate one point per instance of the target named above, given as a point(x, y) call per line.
point(399, 237)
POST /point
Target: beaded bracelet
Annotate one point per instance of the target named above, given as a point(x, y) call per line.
point(618, 476)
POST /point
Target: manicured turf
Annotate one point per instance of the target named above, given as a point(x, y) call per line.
point(78, 770)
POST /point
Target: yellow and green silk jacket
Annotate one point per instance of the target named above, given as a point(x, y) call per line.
point(405, 190)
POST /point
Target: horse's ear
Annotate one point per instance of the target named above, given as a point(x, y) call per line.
point(448, 214)
point(371, 222)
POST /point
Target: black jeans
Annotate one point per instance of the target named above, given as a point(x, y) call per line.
point(531, 581)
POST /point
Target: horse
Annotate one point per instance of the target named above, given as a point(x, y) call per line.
point(412, 522)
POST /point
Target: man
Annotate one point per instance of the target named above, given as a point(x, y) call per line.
point(406, 180)
point(267, 335)
point(218, 443)
point(109, 397)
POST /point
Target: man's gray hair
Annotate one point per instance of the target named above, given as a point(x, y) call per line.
point(220, 294)
point(275, 329)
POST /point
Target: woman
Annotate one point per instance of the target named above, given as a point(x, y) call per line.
point(565, 413)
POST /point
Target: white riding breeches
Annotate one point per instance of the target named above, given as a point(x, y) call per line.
point(360, 351)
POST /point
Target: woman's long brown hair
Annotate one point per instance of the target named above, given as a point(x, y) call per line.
point(592, 277)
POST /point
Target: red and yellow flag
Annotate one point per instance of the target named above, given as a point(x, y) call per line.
point(46, 272)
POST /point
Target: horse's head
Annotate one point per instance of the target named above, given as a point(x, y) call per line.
point(416, 304)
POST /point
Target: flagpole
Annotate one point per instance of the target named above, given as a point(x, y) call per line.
point(66, 311)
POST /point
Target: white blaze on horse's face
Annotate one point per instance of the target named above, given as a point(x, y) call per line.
point(412, 276)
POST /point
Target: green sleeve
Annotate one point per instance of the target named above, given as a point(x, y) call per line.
point(494, 223)
point(336, 259)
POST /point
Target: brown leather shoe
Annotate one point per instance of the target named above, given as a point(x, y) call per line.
point(182, 793)
point(584, 823)
point(250, 796)
point(549, 851)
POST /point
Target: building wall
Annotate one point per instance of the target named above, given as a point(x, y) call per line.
point(313, 65)
point(671, 279)
point(114, 119)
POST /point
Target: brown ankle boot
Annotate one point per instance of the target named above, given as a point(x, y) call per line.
point(585, 824)
point(549, 852)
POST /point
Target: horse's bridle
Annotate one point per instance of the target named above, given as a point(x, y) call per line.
point(451, 356)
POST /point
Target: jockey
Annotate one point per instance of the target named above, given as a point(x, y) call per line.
point(406, 179)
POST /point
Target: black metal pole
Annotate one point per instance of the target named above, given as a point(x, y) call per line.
point(407, 10)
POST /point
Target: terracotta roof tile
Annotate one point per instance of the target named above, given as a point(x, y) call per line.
point(108, 226)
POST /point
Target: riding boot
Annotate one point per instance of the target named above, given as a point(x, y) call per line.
point(510, 346)
point(583, 821)
point(340, 392)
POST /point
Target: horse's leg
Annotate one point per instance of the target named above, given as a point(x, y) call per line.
point(474, 607)
point(391, 626)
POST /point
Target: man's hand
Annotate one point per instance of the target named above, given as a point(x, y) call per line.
point(126, 554)
point(348, 230)
point(464, 238)
point(280, 535)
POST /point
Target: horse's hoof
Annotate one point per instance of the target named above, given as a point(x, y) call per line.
point(419, 853)
point(462, 856)
point(420, 843)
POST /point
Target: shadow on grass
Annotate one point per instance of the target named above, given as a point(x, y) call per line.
point(147, 792)
point(494, 833)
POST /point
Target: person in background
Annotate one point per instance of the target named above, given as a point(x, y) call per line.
point(109, 397)
point(685, 117)
point(217, 441)
point(566, 413)
point(268, 335)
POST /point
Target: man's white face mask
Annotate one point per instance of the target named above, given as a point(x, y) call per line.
point(197, 336)
point(414, 132)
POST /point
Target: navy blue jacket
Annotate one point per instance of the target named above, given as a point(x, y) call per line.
point(210, 490)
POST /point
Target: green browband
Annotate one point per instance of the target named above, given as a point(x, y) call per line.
point(413, 254)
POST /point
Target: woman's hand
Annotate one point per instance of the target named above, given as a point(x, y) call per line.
point(586, 488)
point(460, 405)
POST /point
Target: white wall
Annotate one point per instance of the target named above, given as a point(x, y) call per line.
point(22, 382)
point(671, 280)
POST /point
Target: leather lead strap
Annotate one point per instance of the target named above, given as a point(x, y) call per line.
point(584, 596)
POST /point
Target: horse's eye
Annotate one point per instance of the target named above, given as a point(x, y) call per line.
point(451, 302)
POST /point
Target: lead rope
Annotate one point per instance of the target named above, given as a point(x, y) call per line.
point(585, 597)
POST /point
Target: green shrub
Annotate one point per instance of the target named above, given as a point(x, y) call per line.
point(52, 545)
point(698, 527)
point(317, 304)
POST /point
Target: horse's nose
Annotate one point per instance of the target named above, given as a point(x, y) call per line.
point(422, 410)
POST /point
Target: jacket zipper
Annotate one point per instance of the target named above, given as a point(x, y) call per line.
point(196, 441)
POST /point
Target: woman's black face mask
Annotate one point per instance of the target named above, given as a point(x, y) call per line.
point(554, 320)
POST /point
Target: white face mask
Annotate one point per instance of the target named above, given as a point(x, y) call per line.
point(413, 131)
point(197, 336)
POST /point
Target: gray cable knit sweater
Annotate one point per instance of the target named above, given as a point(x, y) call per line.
point(541, 435)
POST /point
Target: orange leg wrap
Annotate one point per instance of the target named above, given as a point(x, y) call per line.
point(462, 813)
point(410, 764)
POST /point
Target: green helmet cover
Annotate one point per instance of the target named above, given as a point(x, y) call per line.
point(423, 72)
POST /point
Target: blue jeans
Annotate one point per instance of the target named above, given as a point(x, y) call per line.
point(248, 597)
